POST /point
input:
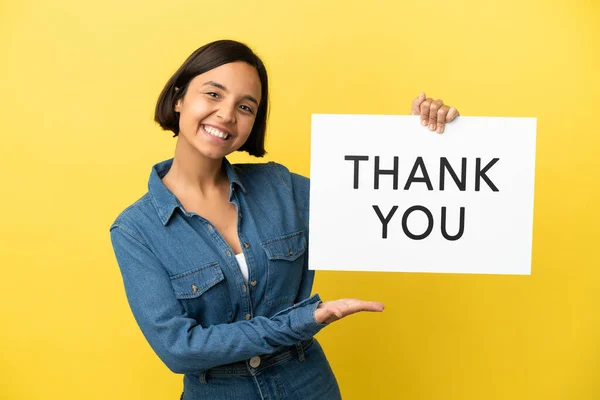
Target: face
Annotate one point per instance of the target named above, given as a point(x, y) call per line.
point(217, 113)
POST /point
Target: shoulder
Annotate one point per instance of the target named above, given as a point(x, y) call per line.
point(263, 175)
point(271, 172)
point(136, 215)
point(260, 169)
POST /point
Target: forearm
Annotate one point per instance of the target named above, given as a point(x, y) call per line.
point(185, 346)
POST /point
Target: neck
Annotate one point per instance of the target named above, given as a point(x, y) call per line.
point(192, 171)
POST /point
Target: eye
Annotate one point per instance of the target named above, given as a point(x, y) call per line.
point(247, 109)
point(213, 95)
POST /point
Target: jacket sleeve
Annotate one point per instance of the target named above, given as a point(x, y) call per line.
point(181, 343)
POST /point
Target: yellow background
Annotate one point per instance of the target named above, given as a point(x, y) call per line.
point(78, 84)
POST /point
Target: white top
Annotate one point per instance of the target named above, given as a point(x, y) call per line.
point(241, 260)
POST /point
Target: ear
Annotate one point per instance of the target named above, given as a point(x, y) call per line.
point(178, 104)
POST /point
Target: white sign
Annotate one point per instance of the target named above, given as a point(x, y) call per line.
point(387, 194)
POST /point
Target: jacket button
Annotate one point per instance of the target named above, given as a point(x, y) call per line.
point(228, 253)
point(246, 245)
point(194, 288)
point(244, 288)
point(253, 283)
point(248, 316)
point(255, 362)
point(290, 252)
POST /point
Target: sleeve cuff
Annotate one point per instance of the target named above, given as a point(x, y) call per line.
point(303, 316)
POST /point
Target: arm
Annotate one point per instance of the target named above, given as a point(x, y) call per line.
point(180, 342)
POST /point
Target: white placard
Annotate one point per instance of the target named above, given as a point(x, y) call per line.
point(377, 201)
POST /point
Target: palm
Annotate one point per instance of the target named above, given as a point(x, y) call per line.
point(331, 311)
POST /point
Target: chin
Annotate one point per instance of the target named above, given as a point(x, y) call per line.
point(209, 150)
point(213, 154)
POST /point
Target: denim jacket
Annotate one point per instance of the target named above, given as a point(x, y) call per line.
point(185, 287)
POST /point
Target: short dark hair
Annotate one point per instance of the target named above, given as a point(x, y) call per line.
point(207, 57)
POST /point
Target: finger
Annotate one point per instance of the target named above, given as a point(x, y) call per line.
point(372, 307)
point(355, 305)
point(332, 311)
point(433, 110)
point(425, 105)
point(452, 113)
point(416, 104)
point(441, 118)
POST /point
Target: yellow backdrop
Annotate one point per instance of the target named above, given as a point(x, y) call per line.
point(78, 84)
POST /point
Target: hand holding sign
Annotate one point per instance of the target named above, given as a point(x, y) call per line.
point(433, 112)
point(331, 311)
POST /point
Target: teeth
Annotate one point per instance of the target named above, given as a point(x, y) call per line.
point(215, 132)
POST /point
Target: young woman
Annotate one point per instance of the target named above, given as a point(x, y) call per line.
point(214, 255)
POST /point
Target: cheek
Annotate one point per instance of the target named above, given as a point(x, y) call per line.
point(189, 120)
point(200, 107)
point(194, 111)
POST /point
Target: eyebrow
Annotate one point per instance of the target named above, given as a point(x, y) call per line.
point(223, 88)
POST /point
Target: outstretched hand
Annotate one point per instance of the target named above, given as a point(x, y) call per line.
point(331, 311)
point(434, 113)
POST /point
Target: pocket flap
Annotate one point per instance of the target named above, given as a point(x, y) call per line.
point(195, 282)
point(288, 247)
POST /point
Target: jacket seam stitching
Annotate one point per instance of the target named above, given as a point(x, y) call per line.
point(273, 165)
point(193, 271)
point(131, 233)
point(282, 238)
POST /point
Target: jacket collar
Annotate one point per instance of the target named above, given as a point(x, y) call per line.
point(164, 201)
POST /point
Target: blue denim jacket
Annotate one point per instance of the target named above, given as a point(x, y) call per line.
point(185, 287)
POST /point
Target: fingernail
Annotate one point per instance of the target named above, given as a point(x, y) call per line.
point(432, 127)
point(424, 123)
point(440, 130)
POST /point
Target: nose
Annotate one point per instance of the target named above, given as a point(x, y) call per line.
point(226, 112)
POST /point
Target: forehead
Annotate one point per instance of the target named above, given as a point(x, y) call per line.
point(238, 77)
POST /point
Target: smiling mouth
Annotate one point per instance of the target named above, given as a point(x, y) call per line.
point(215, 132)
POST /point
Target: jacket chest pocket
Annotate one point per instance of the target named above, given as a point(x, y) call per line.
point(204, 294)
point(285, 261)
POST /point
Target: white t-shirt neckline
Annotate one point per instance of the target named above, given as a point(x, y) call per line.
point(241, 260)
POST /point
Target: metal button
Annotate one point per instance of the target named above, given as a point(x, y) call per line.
point(194, 288)
point(210, 228)
point(255, 362)
point(291, 252)
point(253, 283)
point(248, 316)
point(228, 253)
point(244, 288)
point(246, 245)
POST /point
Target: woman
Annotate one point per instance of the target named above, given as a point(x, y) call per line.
point(214, 255)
